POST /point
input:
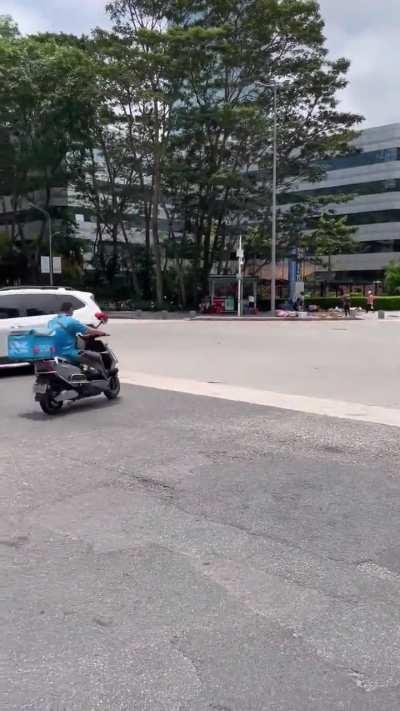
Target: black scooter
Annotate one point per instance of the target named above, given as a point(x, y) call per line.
point(59, 381)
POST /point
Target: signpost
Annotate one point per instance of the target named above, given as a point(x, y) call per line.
point(57, 266)
point(45, 265)
point(49, 264)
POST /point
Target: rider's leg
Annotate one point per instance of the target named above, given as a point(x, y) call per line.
point(94, 360)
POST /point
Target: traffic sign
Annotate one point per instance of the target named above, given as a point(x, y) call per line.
point(45, 265)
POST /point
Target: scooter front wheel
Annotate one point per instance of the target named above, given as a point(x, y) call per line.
point(49, 405)
point(114, 389)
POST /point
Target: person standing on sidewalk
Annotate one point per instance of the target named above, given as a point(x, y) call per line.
point(251, 304)
point(370, 301)
point(346, 306)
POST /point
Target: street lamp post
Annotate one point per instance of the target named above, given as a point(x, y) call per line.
point(274, 87)
point(240, 256)
point(50, 232)
point(274, 201)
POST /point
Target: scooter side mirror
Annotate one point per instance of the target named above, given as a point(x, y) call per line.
point(102, 317)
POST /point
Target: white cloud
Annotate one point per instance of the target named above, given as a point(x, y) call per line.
point(29, 20)
point(75, 16)
point(366, 31)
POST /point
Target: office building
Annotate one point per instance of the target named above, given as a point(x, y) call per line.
point(371, 175)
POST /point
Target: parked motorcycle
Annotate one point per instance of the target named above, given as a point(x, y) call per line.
point(59, 381)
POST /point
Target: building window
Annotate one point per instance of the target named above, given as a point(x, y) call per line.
point(373, 218)
point(373, 188)
point(378, 246)
point(356, 160)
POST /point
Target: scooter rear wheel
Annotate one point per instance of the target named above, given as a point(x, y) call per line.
point(49, 405)
point(113, 392)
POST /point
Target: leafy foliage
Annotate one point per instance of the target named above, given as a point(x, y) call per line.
point(392, 278)
point(167, 120)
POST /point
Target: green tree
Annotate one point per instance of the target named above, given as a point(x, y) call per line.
point(45, 105)
point(313, 226)
point(109, 164)
point(331, 236)
point(13, 263)
point(142, 26)
point(392, 278)
point(8, 28)
point(220, 148)
point(174, 98)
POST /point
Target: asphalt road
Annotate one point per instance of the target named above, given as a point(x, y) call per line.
point(173, 553)
point(356, 361)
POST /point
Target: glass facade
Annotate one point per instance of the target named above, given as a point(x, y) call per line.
point(373, 218)
point(377, 246)
point(31, 214)
point(357, 160)
point(374, 188)
point(365, 216)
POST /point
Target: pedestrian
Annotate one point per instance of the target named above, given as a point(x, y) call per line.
point(251, 304)
point(300, 302)
point(346, 306)
point(370, 301)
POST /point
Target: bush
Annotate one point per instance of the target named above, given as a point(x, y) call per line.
point(384, 303)
point(324, 303)
point(387, 303)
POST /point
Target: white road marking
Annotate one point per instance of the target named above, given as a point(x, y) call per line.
point(299, 403)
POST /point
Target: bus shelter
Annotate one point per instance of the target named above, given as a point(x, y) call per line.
point(223, 292)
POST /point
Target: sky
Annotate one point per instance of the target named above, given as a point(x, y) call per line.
point(365, 31)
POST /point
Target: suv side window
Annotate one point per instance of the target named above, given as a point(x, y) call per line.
point(10, 306)
point(48, 304)
point(76, 303)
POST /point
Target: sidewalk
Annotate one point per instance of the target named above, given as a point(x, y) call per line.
point(233, 318)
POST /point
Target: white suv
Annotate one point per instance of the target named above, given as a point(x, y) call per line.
point(33, 307)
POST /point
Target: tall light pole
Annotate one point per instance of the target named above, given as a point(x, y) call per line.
point(274, 200)
point(274, 87)
point(50, 232)
point(240, 256)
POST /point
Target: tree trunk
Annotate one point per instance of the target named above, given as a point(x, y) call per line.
point(155, 232)
point(14, 207)
point(207, 256)
point(197, 258)
point(135, 280)
point(148, 292)
point(182, 285)
point(155, 209)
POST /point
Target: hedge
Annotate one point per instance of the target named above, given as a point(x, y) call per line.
point(384, 303)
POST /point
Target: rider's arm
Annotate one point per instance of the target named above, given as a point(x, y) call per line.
point(92, 332)
point(81, 329)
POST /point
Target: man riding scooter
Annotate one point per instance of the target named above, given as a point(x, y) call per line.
point(66, 329)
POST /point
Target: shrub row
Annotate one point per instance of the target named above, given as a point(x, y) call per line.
point(384, 303)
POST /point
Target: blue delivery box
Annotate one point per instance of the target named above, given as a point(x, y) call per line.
point(37, 344)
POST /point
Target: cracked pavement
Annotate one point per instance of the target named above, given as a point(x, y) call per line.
point(174, 553)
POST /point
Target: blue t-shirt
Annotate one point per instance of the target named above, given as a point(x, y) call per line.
point(66, 330)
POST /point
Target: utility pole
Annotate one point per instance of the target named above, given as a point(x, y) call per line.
point(240, 256)
point(274, 201)
point(50, 233)
point(274, 87)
